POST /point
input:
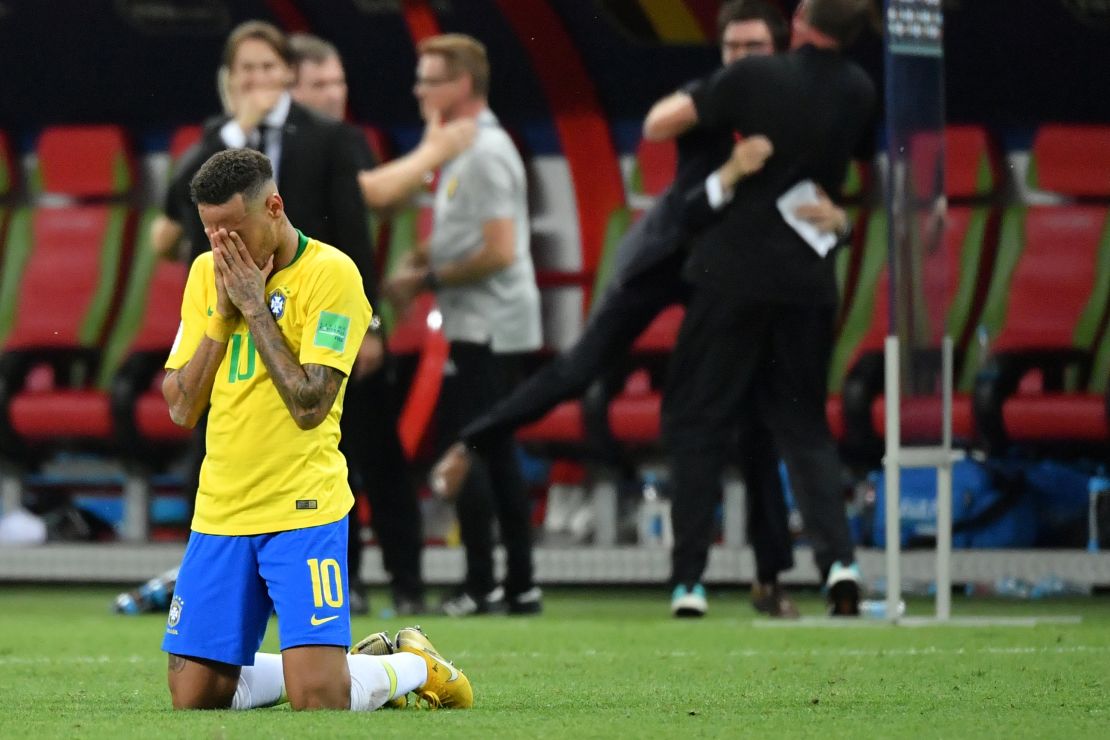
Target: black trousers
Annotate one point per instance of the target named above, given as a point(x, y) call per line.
point(730, 360)
point(378, 469)
point(624, 312)
point(474, 380)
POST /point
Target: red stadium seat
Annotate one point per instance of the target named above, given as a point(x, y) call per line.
point(661, 334)
point(86, 161)
point(634, 415)
point(1045, 381)
point(955, 272)
point(140, 343)
point(971, 163)
point(76, 254)
point(1073, 160)
point(68, 263)
point(951, 282)
point(564, 424)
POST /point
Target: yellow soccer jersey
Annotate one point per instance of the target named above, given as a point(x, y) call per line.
point(262, 473)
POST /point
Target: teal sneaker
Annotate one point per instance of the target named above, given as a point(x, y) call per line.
point(689, 602)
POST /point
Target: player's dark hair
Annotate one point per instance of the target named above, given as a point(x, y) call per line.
point(229, 172)
point(738, 11)
point(261, 31)
point(843, 20)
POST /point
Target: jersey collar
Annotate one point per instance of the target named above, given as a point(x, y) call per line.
point(302, 244)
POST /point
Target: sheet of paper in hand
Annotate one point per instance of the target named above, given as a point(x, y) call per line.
point(803, 194)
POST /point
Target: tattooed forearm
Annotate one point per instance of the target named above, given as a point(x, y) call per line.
point(181, 386)
point(188, 389)
point(317, 394)
point(308, 391)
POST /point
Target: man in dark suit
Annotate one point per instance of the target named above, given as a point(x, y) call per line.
point(760, 323)
point(316, 159)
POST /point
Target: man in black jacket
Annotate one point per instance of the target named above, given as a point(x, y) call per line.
point(316, 159)
point(760, 323)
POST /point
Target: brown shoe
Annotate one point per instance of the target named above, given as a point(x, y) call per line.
point(449, 473)
point(770, 599)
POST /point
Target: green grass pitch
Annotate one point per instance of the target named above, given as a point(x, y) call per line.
point(600, 664)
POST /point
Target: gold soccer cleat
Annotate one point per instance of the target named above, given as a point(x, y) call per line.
point(379, 644)
point(375, 644)
point(447, 686)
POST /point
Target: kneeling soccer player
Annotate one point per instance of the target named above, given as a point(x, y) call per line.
point(271, 322)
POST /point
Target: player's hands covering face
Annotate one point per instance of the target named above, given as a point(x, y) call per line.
point(244, 283)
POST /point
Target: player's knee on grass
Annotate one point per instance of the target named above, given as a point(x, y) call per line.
point(317, 677)
point(196, 684)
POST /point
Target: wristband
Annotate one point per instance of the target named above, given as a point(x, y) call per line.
point(431, 280)
point(219, 329)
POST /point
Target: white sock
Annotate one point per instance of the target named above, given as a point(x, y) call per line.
point(377, 679)
point(261, 684)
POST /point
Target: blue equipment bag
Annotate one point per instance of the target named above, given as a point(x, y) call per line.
point(991, 507)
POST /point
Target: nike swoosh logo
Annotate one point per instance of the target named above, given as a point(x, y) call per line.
point(317, 622)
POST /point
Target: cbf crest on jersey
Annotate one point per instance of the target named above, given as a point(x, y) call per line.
point(277, 304)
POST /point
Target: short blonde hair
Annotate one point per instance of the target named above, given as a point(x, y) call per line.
point(462, 53)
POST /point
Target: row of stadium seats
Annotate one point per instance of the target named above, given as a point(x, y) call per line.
point(87, 314)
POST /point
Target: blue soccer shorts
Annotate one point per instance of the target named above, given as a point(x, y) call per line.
point(228, 587)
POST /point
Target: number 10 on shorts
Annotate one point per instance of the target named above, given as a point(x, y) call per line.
point(327, 582)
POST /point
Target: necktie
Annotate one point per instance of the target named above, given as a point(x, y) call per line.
point(260, 142)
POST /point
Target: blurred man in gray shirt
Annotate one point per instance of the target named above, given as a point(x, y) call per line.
point(482, 193)
point(479, 263)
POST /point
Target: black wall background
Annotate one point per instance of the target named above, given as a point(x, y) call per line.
point(150, 64)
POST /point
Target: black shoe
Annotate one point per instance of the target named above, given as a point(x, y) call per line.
point(358, 601)
point(526, 602)
point(770, 599)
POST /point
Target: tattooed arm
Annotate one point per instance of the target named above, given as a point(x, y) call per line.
point(308, 390)
point(188, 389)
